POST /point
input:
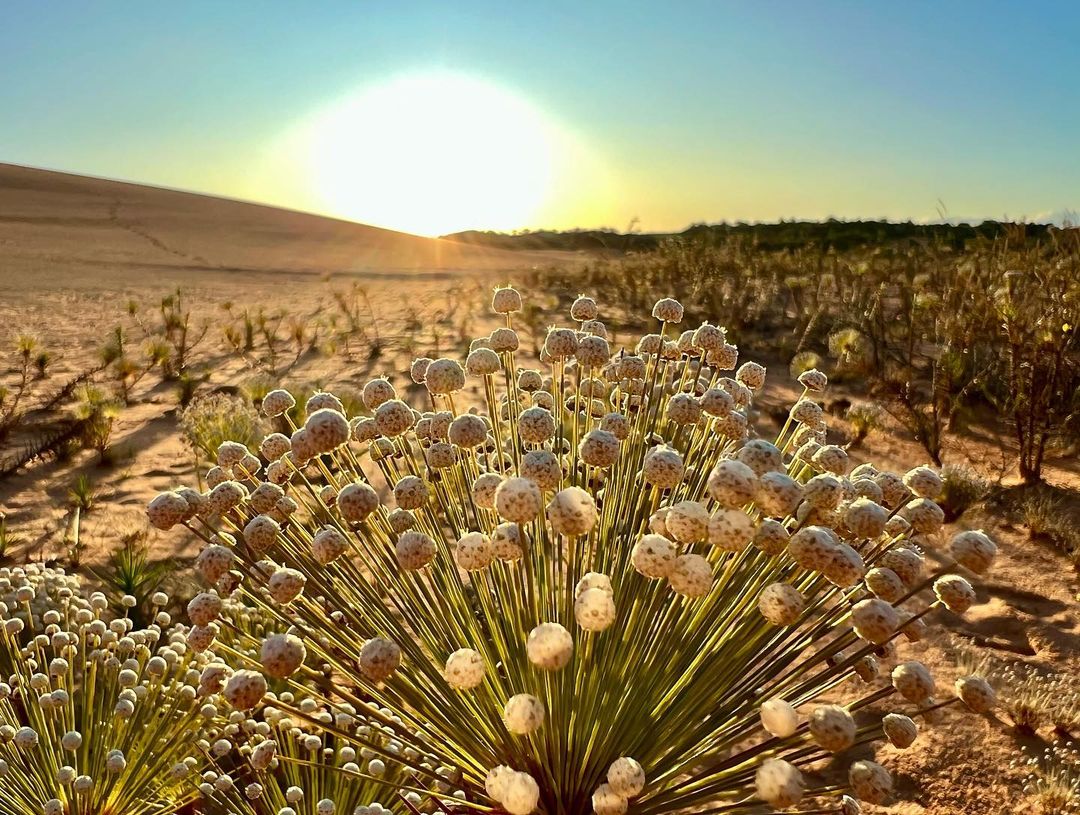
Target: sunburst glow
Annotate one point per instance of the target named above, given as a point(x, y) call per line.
point(432, 154)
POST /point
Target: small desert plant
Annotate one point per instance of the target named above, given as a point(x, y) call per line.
point(1049, 515)
point(961, 490)
point(213, 418)
point(179, 332)
point(96, 411)
point(1054, 780)
point(83, 494)
point(594, 588)
point(9, 539)
point(131, 573)
point(805, 361)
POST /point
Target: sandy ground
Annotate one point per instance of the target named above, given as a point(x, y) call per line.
point(74, 252)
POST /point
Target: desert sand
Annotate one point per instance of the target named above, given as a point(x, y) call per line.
point(75, 251)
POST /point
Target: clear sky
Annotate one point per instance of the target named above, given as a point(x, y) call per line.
point(435, 116)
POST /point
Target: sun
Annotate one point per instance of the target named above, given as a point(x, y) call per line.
point(432, 154)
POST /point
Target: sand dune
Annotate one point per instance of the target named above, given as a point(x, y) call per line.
point(61, 225)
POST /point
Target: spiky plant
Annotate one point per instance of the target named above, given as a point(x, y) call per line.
point(1053, 780)
point(96, 717)
point(671, 630)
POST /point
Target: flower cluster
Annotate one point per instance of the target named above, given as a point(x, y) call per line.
point(96, 716)
point(585, 587)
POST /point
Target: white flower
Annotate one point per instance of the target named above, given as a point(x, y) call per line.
point(465, 669)
point(523, 714)
point(779, 718)
point(550, 646)
point(626, 777)
point(778, 783)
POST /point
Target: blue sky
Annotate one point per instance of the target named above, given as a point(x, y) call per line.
point(678, 112)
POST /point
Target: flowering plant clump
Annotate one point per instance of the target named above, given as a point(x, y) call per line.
point(95, 716)
point(595, 590)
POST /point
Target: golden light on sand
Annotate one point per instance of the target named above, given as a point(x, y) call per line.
point(432, 154)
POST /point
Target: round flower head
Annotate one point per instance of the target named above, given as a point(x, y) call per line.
point(599, 448)
point(606, 801)
point(214, 561)
point(729, 529)
point(444, 376)
point(584, 308)
point(520, 794)
point(684, 409)
point(483, 489)
point(323, 400)
point(761, 456)
point(781, 604)
point(593, 352)
point(779, 718)
point(870, 781)
point(807, 411)
point(778, 783)
point(924, 482)
point(393, 417)
point(668, 310)
point(277, 402)
point(813, 547)
point(874, 620)
point(167, 510)
point(955, 593)
point(474, 552)
point(550, 646)
point(357, 501)
point(751, 375)
point(654, 556)
point(572, 512)
point(663, 467)
point(327, 429)
point(732, 484)
point(482, 362)
point(379, 658)
point(464, 669)
point(468, 431)
point(594, 609)
point(976, 693)
point(709, 337)
point(973, 550)
point(900, 730)
point(542, 468)
point(509, 542)
point(245, 689)
point(285, 585)
point(261, 532)
point(328, 545)
point(518, 499)
point(414, 550)
point(771, 536)
point(504, 340)
point(844, 566)
point(506, 300)
point(832, 727)
point(376, 392)
point(688, 522)
point(204, 608)
point(561, 343)
point(410, 492)
point(894, 491)
point(691, 576)
point(907, 564)
point(529, 380)
point(924, 515)
point(717, 402)
point(626, 777)
point(831, 459)
point(282, 655)
point(885, 583)
point(225, 496)
point(865, 519)
point(418, 369)
point(536, 425)
point(913, 681)
point(813, 380)
point(778, 494)
point(523, 714)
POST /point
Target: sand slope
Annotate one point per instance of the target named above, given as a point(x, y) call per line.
point(53, 222)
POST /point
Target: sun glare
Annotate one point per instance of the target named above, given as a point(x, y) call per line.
point(432, 154)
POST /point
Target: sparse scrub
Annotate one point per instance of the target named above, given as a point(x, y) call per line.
point(864, 418)
point(213, 418)
point(963, 487)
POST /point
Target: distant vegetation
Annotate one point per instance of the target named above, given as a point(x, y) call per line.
point(785, 235)
point(965, 324)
